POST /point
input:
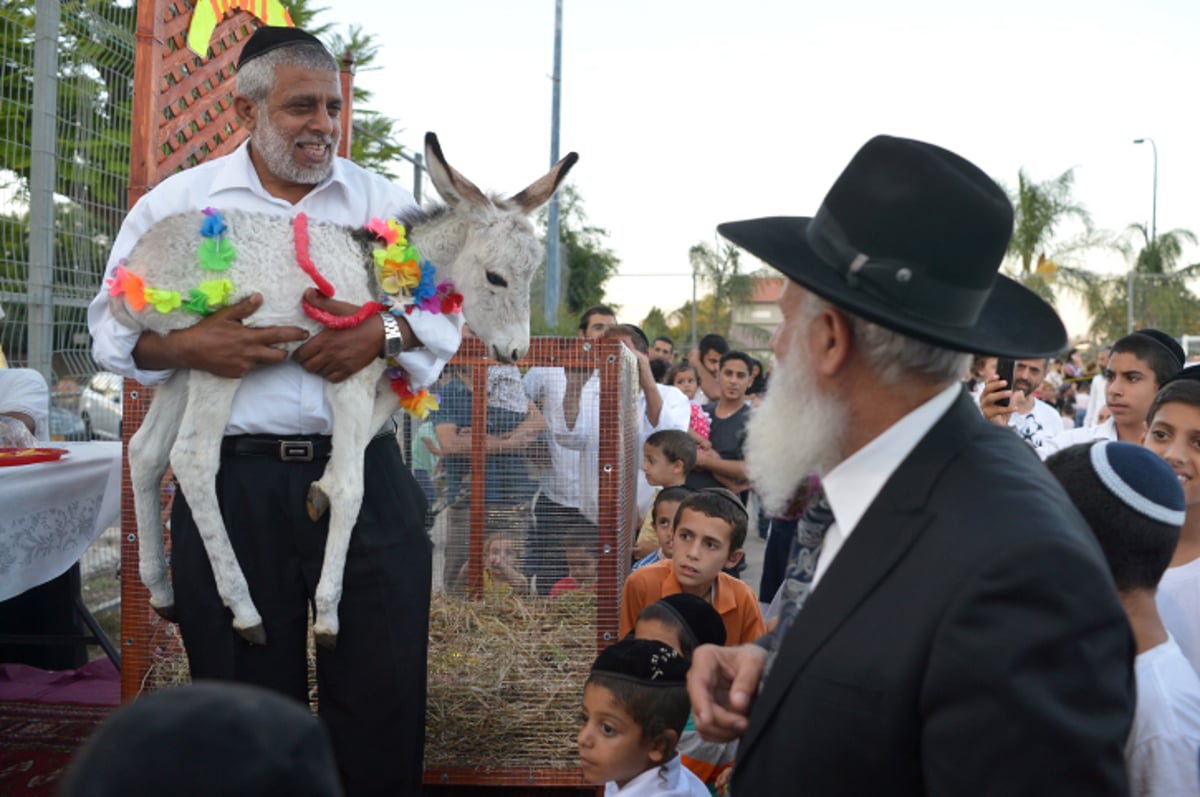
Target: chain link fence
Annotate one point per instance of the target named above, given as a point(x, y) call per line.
point(66, 78)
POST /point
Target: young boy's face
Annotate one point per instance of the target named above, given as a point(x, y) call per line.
point(1174, 435)
point(664, 526)
point(701, 551)
point(658, 631)
point(611, 746)
point(659, 469)
point(1131, 385)
point(581, 564)
point(501, 555)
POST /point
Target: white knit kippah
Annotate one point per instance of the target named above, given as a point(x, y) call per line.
point(1141, 479)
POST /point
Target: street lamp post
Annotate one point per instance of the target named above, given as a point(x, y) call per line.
point(550, 305)
point(1154, 201)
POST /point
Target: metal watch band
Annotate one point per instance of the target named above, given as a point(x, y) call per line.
point(392, 335)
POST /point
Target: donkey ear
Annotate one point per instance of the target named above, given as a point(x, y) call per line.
point(539, 192)
point(453, 187)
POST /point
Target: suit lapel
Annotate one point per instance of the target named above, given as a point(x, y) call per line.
point(887, 530)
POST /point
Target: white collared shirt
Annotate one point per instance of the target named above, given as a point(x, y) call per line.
point(283, 398)
point(853, 485)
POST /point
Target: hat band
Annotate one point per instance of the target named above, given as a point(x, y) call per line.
point(903, 286)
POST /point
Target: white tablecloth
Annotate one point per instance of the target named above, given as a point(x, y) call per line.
point(51, 511)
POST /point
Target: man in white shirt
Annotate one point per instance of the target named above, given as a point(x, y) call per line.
point(558, 506)
point(1097, 391)
point(939, 571)
point(373, 683)
point(1031, 418)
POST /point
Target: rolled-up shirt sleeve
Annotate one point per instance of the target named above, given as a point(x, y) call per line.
point(113, 342)
point(440, 335)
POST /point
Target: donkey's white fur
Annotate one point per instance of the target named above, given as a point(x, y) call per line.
point(485, 245)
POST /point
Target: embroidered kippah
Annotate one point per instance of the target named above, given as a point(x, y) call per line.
point(1141, 479)
point(1166, 341)
point(698, 616)
point(271, 37)
point(644, 661)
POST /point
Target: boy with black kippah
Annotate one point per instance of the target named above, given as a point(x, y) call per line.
point(1139, 364)
point(1133, 502)
point(635, 704)
point(710, 530)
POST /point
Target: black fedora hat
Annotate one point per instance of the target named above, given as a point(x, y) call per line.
point(911, 236)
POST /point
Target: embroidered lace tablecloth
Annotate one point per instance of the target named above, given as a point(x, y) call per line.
point(51, 511)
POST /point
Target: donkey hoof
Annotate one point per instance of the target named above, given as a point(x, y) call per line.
point(255, 634)
point(166, 612)
point(325, 639)
point(317, 503)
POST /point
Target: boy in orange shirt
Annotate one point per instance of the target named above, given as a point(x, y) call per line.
point(710, 529)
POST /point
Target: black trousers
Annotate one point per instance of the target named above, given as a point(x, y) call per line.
point(371, 688)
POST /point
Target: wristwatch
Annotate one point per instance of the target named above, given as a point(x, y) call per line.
point(393, 337)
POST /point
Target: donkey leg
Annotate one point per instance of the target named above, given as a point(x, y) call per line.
point(196, 457)
point(386, 404)
point(149, 450)
point(342, 482)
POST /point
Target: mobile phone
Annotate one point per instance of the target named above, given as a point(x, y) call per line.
point(1005, 368)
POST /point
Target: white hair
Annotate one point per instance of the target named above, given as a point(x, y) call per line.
point(894, 355)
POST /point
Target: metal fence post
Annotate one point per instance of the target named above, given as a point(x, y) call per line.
point(41, 190)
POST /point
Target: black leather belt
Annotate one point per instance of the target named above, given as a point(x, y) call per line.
point(292, 449)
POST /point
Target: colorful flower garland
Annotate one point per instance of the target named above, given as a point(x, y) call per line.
point(406, 279)
point(213, 254)
point(408, 282)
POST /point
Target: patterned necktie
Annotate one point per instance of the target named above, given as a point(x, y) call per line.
point(797, 584)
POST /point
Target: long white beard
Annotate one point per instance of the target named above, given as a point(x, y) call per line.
point(796, 431)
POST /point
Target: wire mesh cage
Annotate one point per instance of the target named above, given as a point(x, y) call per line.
point(532, 538)
point(532, 517)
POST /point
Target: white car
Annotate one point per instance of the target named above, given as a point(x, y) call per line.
point(100, 406)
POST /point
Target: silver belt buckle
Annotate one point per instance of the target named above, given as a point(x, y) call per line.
point(295, 451)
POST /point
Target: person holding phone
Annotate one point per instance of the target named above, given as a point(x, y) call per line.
point(1010, 401)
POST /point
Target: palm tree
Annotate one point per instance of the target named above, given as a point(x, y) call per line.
point(1161, 297)
point(720, 267)
point(1043, 257)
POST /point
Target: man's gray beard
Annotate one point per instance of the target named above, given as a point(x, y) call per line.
point(278, 153)
point(796, 431)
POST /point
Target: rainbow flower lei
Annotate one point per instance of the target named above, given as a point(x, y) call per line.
point(213, 254)
point(409, 282)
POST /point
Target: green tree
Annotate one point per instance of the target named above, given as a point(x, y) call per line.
point(655, 325)
point(1161, 296)
point(719, 266)
point(1050, 230)
point(373, 143)
point(586, 261)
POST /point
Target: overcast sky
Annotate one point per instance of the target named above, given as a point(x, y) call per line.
point(687, 113)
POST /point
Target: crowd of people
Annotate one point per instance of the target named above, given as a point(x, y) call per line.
point(947, 614)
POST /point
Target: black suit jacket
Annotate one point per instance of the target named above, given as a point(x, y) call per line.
point(967, 640)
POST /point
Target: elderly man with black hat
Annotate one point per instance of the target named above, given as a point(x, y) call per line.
point(948, 623)
point(372, 686)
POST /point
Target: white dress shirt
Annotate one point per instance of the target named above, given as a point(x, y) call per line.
point(852, 486)
point(283, 398)
point(547, 386)
point(1082, 434)
point(671, 780)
